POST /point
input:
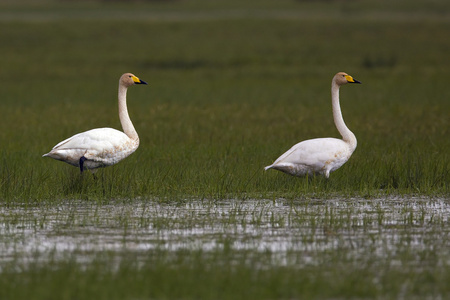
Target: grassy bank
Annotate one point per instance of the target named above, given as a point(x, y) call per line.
point(228, 94)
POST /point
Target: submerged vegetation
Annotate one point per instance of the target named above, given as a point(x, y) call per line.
point(342, 249)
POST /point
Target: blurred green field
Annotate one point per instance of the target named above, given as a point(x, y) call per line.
point(232, 86)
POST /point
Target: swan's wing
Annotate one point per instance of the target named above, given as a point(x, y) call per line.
point(96, 139)
point(316, 156)
point(100, 147)
point(314, 153)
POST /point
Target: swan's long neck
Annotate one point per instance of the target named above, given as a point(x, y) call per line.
point(347, 135)
point(125, 120)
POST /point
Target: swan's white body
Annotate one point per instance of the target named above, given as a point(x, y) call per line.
point(102, 147)
point(324, 155)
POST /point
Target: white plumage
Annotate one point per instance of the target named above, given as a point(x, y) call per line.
point(322, 155)
point(102, 147)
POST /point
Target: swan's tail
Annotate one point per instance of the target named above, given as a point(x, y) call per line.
point(268, 167)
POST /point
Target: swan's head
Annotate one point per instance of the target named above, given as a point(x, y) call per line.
point(343, 78)
point(129, 79)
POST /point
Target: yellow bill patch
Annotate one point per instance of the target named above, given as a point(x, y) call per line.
point(135, 79)
point(349, 78)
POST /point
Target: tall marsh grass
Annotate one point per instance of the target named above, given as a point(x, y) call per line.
point(227, 96)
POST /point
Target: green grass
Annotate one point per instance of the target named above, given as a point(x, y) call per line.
point(226, 97)
point(232, 85)
point(156, 281)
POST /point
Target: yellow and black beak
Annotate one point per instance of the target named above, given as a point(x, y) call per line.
point(138, 81)
point(350, 79)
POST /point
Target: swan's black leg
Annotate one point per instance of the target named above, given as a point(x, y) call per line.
point(82, 159)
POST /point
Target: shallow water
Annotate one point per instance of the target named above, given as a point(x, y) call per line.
point(295, 233)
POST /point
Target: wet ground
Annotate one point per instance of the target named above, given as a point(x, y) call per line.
point(294, 233)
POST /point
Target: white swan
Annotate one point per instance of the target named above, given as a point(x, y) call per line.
point(102, 147)
point(323, 155)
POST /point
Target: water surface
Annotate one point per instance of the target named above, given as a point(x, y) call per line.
point(281, 232)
